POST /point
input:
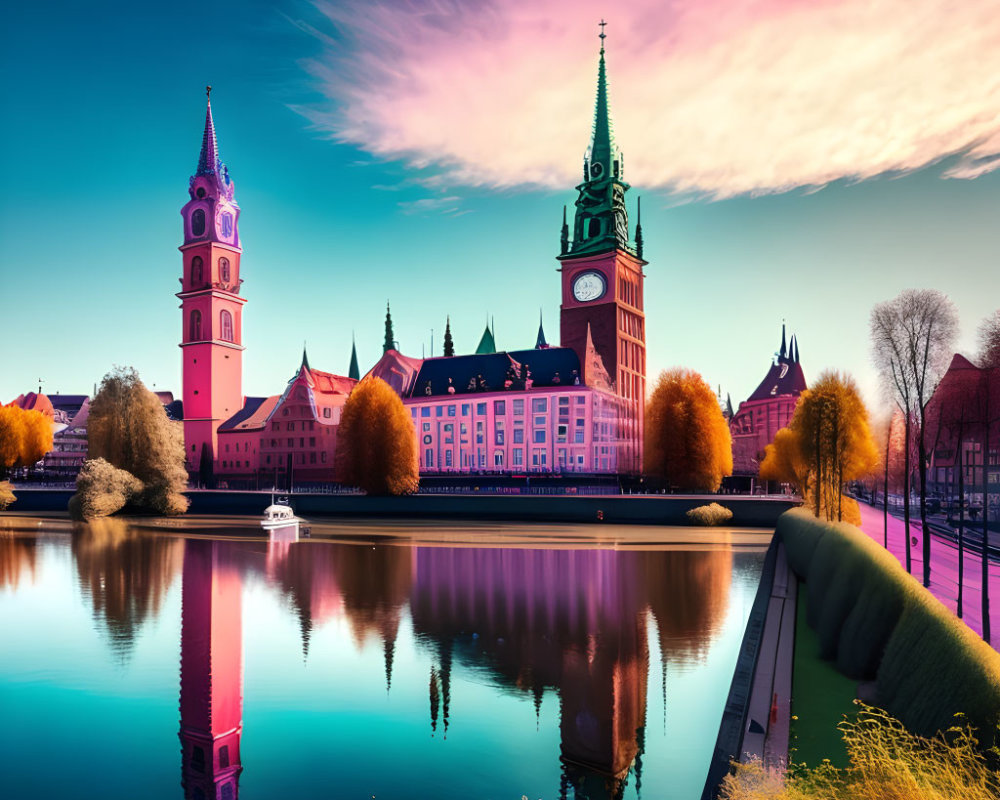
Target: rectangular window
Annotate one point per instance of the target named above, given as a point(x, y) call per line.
point(428, 458)
point(291, 443)
point(451, 411)
point(463, 429)
point(312, 457)
point(291, 426)
point(539, 420)
point(518, 435)
point(465, 409)
point(322, 456)
point(326, 413)
point(499, 437)
point(269, 459)
point(447, 457)
point(426, 426)
point(518, 456)
point(312, 441)
point(579, 435)
point(425, 411)
point(499, 407)
point(498, 458)
point(563, 401)
point(481, 409)
point(561, 433)
point(482, 460)
point(580, 399)
point(539, 437)
point(439, 411)
point(539, 404)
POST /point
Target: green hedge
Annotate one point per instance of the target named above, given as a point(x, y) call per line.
point(878, 622)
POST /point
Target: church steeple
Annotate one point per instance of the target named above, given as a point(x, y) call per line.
point(390, 339)
point(449, 343)
point(540, 339)
point(352, 371)
point(601, 223)
point(208, 161)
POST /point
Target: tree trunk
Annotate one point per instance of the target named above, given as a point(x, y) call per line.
point(885, 491)
point(926, 536)
point(985, 552)
point(819, 472)
point(906, 492)
point(961, 523)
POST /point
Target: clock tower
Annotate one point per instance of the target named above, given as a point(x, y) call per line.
point(211, 306)
point(602, 280)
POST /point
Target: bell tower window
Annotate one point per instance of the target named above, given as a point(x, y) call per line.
point(196, 270)
point(594, 229)
point(224, 270)
point(194, 333)
point(198, 222)
point(226, 323)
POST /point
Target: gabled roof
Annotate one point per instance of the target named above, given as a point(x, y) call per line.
point(252, 416)
point(783, 378)
point(487, 344)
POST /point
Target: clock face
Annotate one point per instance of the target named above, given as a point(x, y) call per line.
point(589, 286)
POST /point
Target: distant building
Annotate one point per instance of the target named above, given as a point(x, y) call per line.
point(955, 419)
point(768, 409)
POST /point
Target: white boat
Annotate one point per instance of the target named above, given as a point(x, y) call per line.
point(278, 517)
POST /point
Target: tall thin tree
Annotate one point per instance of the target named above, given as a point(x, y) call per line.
point(912, 340)
point(989, 417)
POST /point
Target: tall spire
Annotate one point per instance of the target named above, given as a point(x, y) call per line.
point(784, 349)
point(390, 340)
point(208, 161)
point(602, 144)
point(564, 235)
point(305, 358)
point(353, 371)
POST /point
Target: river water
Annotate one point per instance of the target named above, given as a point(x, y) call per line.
point(196, 659)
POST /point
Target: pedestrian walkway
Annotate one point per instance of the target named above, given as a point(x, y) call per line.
point(944, 569)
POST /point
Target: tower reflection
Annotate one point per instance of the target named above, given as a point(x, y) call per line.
point(211, 672)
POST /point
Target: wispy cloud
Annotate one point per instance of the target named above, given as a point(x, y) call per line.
point(432, 205)
point(720, 97)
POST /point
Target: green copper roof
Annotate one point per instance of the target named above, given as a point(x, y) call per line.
point(601, 220)
point(353, 371)
point(486, 344)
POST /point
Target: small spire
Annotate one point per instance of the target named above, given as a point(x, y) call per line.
point(208, 161)
point(638, 228)
point(390, 339)
point(449, 343)
point(540, 339)
point(564, 235)
point(487, 344)
point(353, 371)
point(305, 358)
point(784, 349)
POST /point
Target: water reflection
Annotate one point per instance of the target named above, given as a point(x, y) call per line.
point(18, 555)
point(211, 672)
point(126, 574)
point(568, 624)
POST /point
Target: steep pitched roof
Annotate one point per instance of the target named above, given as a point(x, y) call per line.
point(495, 369)
point(252, 416)
point(486, 344)
point(783, 378)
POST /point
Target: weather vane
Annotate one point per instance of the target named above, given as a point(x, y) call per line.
point(602, 34)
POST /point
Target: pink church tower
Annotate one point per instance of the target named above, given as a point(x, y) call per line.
point(211, 673)
point(211, 306)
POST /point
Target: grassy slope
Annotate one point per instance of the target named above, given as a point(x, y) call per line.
point(821, 696)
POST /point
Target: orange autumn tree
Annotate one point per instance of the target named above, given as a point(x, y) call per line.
point(376, 442)
point(686, 439)
point(827, 443)
point(25, 437)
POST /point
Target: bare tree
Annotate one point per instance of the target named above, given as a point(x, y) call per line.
point(912, 342)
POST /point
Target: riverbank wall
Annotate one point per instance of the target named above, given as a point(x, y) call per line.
point(751, 512)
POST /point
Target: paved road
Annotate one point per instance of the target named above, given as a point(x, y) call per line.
point(944, 569)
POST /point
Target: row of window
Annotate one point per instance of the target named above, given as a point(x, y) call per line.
point(539, 405)
point(198, 270)
point(225, 326)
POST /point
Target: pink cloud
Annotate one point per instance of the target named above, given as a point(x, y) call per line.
point(712, 96)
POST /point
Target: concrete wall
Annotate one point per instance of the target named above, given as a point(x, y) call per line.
point(635, 509)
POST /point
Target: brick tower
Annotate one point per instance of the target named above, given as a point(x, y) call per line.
point(602, 278)
point(211, 306)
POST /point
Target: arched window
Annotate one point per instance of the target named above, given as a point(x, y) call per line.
point(194, 334)
point(196, 270)
point(594, 228)
point(198, 222)
point(226, 320)
point(224, 270)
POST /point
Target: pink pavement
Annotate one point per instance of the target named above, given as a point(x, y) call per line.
point(944, 570)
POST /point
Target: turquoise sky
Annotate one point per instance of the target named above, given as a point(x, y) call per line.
point(104, 108)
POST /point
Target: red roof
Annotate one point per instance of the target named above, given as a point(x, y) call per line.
point(328, 383)
point(35, 402)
